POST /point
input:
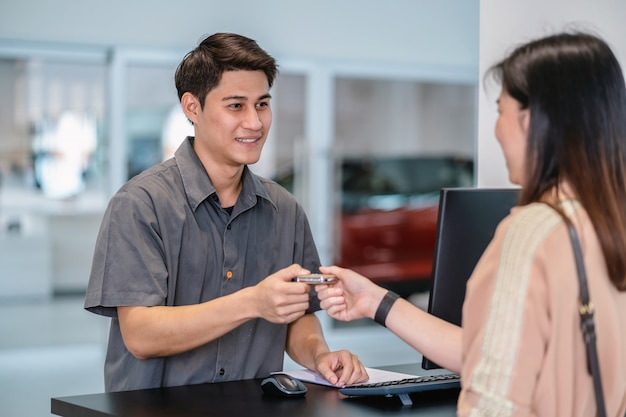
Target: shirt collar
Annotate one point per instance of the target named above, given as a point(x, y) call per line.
point(198, 185)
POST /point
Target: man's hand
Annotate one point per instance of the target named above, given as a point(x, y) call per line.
point(278, 300)
point(341, 368)
point(306, 346)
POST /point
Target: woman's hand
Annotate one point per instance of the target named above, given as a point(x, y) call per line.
point(352, 297)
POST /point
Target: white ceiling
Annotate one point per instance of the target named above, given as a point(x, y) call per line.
point(407, 32)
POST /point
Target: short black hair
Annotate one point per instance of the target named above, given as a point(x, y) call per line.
point(201, 69)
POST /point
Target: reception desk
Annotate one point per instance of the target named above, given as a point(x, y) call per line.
point(245, 398)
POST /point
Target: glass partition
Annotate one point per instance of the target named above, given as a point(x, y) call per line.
point(52, 171)
point(397, 143)
point(155, 123)
point(55, 159)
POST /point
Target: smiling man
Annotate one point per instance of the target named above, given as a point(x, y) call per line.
point(195, 256)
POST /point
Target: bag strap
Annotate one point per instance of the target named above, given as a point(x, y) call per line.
point(586, 311)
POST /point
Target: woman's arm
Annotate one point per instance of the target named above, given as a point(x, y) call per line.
point(355, 297)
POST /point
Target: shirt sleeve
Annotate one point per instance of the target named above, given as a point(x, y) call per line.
point(128, 267)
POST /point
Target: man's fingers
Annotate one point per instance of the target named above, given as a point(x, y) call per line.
point(328, 374)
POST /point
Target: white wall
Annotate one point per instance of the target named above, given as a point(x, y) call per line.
point(505, 24)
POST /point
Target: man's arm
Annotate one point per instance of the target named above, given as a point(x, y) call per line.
point(164, 331)
point(306, 345)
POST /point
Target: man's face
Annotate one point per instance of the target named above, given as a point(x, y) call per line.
point(232, 127)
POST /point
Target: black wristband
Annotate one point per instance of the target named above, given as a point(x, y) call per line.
point(383, 308)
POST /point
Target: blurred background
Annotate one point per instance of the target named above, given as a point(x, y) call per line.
point(378, 105)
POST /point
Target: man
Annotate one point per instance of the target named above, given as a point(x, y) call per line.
point(195, 256)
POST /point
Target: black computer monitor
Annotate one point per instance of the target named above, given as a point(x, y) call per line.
point(468, 218)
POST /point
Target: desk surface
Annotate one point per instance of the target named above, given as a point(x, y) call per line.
point(245, 398)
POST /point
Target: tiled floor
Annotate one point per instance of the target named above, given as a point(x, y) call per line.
point(54, 348)
point(48, 349)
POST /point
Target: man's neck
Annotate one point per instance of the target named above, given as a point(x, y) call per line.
point(226, 178)
point(227, 183)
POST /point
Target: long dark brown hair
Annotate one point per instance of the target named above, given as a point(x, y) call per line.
point(574, 88)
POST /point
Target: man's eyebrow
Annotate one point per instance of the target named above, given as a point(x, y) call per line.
point(244, 98)
point(234, 98)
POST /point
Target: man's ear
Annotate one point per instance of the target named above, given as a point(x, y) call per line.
point(190, 106)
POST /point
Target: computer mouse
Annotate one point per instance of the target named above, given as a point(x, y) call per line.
point(283, 385)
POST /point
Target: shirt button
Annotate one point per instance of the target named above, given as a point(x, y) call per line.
point(228, 227)
point(222, 372)
point(229, 274)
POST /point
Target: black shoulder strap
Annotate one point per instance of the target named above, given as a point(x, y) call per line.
point(586, 310)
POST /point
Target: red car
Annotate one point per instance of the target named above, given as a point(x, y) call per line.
point(389, 245)
point(389, 213)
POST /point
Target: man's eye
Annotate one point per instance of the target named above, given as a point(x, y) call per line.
point(235, 106)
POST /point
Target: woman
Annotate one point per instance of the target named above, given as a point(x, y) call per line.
point(520, 351)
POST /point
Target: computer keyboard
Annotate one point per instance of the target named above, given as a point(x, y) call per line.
point(404, 387)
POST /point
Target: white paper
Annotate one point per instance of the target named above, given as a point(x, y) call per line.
point(376, 375)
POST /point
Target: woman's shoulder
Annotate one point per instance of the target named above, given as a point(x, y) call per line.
point(527, 227)
point(531, 217)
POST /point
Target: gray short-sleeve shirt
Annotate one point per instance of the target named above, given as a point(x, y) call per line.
point(165, 240)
